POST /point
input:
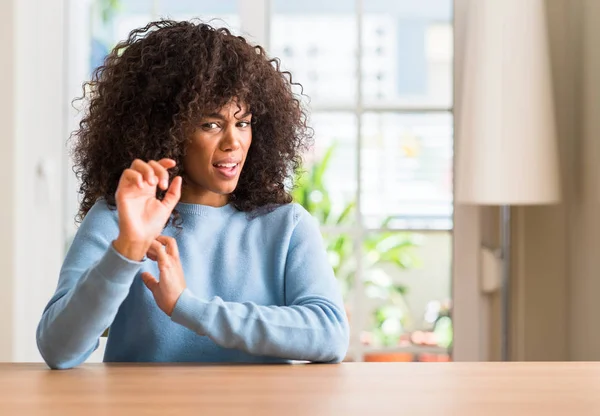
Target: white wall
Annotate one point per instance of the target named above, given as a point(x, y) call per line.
point(7, 167)
point(31, 81)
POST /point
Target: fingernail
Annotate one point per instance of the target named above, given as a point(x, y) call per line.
point(165, 184)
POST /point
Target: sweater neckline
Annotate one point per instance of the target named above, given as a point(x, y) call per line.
point(205, 210)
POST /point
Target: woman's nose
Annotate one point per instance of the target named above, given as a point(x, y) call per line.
point(231, 140)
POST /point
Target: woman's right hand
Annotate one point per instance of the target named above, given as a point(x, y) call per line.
point(142, 216)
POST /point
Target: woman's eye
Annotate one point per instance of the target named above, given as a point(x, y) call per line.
point(210, 126)
point(243, 124)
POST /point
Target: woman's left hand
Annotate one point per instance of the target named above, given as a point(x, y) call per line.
point(167, 290)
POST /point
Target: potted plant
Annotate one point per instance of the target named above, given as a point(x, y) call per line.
point(382, 251)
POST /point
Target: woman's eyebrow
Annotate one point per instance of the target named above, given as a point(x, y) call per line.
point(221, 117)
point(215, 115)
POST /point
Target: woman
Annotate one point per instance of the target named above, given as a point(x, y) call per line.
point(190, 249)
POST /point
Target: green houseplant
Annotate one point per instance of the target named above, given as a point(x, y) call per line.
point(381, 252)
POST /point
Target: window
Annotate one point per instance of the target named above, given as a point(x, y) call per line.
point(379, 77)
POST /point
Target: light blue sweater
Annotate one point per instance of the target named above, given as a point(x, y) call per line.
point(258, 290)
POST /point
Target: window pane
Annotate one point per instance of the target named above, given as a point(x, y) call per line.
point(316, 41)
point(112, 21)
point(198, 8)
point(340, 251)
point(407, 287)
point(223, 13)
point(407, 53)
point(327, 188)
point(407, 170)
point(342, 257)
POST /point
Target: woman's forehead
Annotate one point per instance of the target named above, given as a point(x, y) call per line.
point(234, 107)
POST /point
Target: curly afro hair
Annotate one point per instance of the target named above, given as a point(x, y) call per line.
point(145, 102)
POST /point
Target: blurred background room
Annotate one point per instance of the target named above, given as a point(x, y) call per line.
point(391, 86)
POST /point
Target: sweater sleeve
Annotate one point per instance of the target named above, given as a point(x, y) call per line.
point(312, 326)
point(94, 280)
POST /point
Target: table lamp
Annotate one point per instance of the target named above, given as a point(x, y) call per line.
point(506, 137)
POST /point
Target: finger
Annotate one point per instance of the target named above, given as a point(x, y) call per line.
point(161, 174)
point(167, 163)
point(161, 255)
point(173, 194)
point(150, 281)
point(170, 244)
point(132, 177)
point(146, 171)
point(152, 252)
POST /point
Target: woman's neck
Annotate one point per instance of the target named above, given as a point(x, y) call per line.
point(208, 198)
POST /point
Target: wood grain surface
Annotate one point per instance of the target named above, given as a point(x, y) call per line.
point(346, 389)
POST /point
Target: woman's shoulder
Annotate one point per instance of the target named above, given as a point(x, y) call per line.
point(290, 216)
point(102, 209)
point(101, 217)
point(292, 212)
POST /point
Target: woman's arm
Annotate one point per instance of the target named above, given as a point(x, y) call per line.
point(94, 281)
point(312, 326)
point(97, 272)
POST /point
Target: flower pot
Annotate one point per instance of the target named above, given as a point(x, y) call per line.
point(379, 357)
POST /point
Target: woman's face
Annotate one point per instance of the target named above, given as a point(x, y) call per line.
point(216, 154)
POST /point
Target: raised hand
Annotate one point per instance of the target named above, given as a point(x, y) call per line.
point(167, 290)
point(141, 215)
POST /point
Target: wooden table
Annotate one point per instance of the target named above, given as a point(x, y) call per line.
point(347, 389)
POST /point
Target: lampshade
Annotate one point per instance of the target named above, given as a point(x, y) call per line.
point(506, 141)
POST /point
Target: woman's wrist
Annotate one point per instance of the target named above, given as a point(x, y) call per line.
point(133, 250)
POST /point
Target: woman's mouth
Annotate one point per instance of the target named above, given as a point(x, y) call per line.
point(227, 170)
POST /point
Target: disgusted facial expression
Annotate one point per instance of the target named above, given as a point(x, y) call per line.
point(216, 155)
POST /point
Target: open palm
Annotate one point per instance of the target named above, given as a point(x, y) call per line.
point(141, 215)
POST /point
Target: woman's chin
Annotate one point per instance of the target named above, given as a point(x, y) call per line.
point(224, 189)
